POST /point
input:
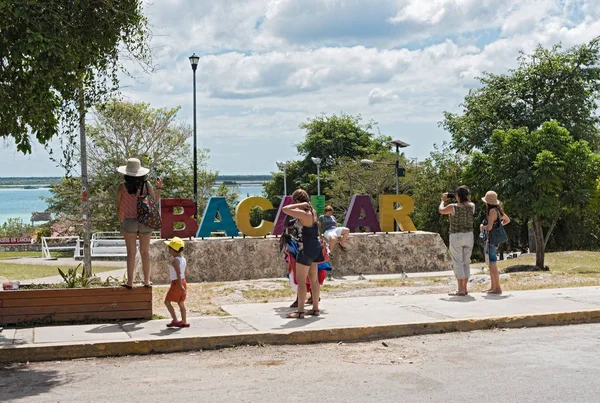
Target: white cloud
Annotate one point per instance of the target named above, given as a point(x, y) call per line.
point(379, 95)
point(268, 65)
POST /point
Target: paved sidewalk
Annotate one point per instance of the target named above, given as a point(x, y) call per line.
point(342, 319)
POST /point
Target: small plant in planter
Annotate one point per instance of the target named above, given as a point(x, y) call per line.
point(74, 280)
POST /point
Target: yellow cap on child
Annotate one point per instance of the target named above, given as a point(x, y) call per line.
point(175, 243)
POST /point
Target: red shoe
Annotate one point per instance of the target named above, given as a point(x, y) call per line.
point(182, 324)
point(174, 323)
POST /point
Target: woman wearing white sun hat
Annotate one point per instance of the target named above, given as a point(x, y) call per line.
point(134, 185)
point(494, 213)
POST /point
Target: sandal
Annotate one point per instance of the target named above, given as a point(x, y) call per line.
point(456, 294)
point(182, 324)
point(494, 292)
point(295, 315)
point(314, 312)
point(174, 323)
point(129, 287)
point(343, 247)
point(149, 285)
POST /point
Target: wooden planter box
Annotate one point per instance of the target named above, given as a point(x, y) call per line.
point(73, 304)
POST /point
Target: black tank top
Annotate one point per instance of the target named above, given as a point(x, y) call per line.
point(310, 239)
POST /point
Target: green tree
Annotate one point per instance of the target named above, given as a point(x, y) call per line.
point(538, 174)
point(548, 84)
point(330, 138)
point(51, 49)
point(14, 228)
point(123, 130)
point(333, 137)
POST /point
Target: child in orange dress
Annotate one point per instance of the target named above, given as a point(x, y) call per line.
point(178, 290)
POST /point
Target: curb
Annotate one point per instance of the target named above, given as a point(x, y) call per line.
point(68, 351)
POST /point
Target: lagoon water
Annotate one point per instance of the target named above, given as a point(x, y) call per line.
point(22, 202)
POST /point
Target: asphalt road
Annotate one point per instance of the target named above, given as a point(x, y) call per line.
point(559, 364)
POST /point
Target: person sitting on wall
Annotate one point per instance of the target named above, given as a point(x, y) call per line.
point(330, 230)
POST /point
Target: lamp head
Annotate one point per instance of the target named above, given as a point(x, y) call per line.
point(194, 61)
point(399, 144)
point(316, 161)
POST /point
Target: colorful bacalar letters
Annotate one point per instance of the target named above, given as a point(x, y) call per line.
point(217, 216)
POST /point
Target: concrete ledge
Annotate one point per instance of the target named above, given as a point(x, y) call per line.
point(233, 259)
point(65, 351)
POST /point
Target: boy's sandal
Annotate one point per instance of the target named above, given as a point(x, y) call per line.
point(174, 323)
point(183, 324)
point(314, 312)
point(343, 247)
point(295, 315)
point(456, 294)
point(149, 285)
point(129, 287)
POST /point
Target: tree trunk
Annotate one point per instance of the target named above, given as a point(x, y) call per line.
point(87, 257)
point(539, 241)
point(551, 229)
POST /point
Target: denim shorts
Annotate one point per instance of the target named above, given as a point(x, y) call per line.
point(493, 253)
point(133, 226)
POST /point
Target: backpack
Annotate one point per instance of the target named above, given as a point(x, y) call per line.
point(148, 212)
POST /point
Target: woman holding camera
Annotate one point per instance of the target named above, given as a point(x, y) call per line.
point(461, 235)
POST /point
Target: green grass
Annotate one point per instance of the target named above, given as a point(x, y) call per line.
point(16, 271)
point(258, 294)
point(15, 255)
point(571, 262)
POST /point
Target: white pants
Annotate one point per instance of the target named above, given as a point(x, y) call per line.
point(461, 247)
point(337, 232)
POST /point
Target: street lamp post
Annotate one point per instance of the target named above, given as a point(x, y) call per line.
point(283, 166)
point(317, 162)
point(399, 144)
point(399, 171)
point(194, 62)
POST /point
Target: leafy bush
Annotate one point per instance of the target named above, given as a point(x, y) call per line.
point(14, 228)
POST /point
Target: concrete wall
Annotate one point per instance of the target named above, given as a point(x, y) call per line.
point(226, 259)
point(34, 247)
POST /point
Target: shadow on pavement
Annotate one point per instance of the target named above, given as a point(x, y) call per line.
point(106, 329)
point(496, 297)
point(20, 381)
point(463, 299)
point(167, 331)
point(295, 323)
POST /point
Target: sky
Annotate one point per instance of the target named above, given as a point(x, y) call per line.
point(268, 65)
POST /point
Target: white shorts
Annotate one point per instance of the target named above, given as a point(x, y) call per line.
point(337, 232)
